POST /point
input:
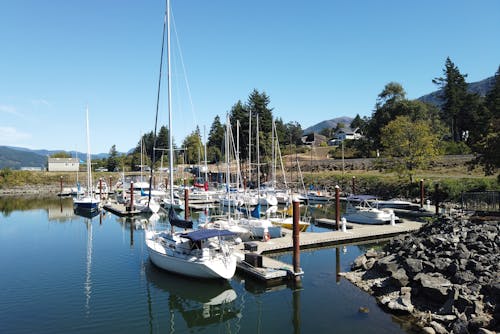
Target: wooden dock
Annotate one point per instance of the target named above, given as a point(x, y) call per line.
point(273, 270)
point(120, 210)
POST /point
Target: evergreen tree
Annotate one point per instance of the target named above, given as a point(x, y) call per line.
point(454, 93)
point(487, 147)
point(112, 161)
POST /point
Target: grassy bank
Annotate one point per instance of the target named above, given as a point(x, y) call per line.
point(383, 185)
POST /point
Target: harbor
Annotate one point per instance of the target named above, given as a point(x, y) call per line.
point(110, 284)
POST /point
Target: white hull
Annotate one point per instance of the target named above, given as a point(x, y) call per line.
point(203, 265)
point(369, 216)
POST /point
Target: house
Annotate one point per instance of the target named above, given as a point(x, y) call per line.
point(345, 134)
point(63, 164)
point(313, 139)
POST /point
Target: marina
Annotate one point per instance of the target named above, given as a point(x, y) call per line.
point(109, 283)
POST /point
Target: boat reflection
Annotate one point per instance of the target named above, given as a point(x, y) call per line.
point(200, 302)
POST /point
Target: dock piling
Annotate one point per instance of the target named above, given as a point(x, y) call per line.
point(61, 184)
point(296, 240)
point(186, 200)
point(436, 197)
point(354, 185)
point(421, 193)
point(131, 207)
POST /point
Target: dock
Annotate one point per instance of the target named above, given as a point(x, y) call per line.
point(273, 270)
point(120, 210)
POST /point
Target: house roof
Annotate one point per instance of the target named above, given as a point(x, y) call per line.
point(64, 160)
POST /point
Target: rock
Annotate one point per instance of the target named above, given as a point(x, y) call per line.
point(438, 328)
point(434, 287)
point(428, 330)
point(400, 278)
point(459, 327)
point(414, 266)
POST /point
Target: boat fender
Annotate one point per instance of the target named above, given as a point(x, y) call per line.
point(266, 235)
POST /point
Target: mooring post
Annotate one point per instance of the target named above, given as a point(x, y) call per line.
point(296, 239)
point(421, 193)
point(186, 200)
point(61, 185)
point(110, 184)
point(100, 189)
point(131, 207)
point(337, 207)
point(244, 183)
point(354, 185)
point(436, 197)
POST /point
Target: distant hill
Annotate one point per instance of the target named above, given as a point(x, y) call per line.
point(16, 157)
point(480, 87)
point(332, 123)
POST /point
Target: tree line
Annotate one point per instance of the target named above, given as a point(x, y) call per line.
point(410, 132)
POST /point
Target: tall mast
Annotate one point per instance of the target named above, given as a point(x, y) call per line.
point(89, 163)
point(170, 127)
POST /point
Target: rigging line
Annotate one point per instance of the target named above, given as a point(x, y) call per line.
point(153, 160)
point(183, 67)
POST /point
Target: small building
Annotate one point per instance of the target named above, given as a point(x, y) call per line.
point(63, 164)
point(345, 134)
point(314, 139)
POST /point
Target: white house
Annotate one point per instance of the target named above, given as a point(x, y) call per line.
point(345, 134)
point(63, 164)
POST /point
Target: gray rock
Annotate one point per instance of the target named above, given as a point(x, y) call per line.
point(438, 328)
point(434, 287)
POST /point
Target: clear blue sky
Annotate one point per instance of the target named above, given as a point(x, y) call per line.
point(316, 60)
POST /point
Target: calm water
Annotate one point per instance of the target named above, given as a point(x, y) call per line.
point(63, 273)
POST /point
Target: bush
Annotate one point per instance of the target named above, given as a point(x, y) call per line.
point(455, 148)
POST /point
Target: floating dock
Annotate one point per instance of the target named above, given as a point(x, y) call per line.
point(120, 210)
point(273, 270)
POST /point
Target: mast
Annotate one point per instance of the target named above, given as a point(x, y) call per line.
point(249, 146)
point(228, 172)
point(89, 163)
point(258, 156)
point(170, 127)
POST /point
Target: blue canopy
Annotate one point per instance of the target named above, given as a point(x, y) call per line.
point(204, 234)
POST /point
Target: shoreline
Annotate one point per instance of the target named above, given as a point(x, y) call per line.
point(445, 277)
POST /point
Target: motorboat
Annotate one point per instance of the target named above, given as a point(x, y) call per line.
point(360, 210)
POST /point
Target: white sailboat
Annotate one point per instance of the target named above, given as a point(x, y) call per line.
point(88, 202)
point(201, 253)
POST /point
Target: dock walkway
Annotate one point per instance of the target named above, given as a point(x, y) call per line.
point(354, 234)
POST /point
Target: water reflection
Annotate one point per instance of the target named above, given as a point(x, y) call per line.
point(200, 302)
point(88, 271)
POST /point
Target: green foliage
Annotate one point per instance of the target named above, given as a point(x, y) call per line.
point(410, 145)
point(454, 148)
point(193, 152)
point(487, 145)
point(61, 154)
point(454, 94)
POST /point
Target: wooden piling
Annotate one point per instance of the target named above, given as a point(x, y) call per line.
point(337, 264)
point(186, 200)
point(436, 197)
point(61, 185)
point(354, 185)
point(421, 193)
point(337, 206)
point(100, 189)
point(131, 207)
point(296, 239)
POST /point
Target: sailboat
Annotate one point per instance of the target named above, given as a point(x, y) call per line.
point(200, 253)
point(88, 202)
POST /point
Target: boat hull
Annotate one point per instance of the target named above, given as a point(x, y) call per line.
point(214, 268)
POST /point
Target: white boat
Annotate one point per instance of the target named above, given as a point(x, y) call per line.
point(87, 202)
point(260, 227)
point(201, 253)
point(359, 210)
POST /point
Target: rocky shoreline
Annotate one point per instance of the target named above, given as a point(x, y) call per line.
point(446, 276)
point(31, 190)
